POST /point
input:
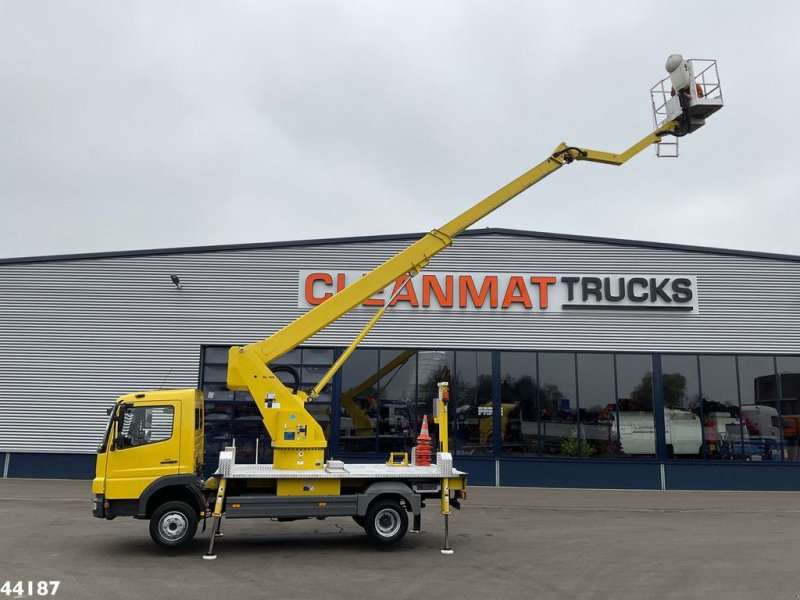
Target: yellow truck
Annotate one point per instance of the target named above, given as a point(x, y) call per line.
point(149, 464)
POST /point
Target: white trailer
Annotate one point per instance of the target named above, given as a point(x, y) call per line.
point(637, 436)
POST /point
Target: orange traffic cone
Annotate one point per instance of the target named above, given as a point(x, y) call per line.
point(423, 454)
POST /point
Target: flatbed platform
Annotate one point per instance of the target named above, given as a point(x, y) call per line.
point(335, 469)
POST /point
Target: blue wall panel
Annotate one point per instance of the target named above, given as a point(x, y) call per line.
point(732, 476)
point(481, 470)
point(679, 475)
point(52, 466)
point(580, 474)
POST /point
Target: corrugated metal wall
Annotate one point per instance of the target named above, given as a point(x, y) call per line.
point(74, 334)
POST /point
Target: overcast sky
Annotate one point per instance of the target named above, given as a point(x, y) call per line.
point(133, 125)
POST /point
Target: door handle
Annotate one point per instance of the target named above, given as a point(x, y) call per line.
point(169, 461)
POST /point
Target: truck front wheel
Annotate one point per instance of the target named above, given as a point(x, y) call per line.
point(386, 522)
point(173, 525)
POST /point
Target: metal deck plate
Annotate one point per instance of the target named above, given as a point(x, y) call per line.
point(338, 470)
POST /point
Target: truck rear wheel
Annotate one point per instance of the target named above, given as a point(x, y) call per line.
point(386, 522)
point(173, 525)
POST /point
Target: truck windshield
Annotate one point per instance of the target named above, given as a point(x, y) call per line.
point(104, 444)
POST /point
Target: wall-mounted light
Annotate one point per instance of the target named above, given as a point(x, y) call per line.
point(176, 280)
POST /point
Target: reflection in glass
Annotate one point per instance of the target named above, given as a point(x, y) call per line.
point(722, 427)
point(789, 380)
point(216, 372)
point(433, 366)
point(293, 357)
point(249, 434)
point(681, 382)
point(358, 403)
point(216, 354)
point(471, 406)
point(557, 402)
point(635, 403)
point(758, 391)
point(518, 399)
point(596, 398)
point(553, 404)
point(311, 376)
point(397, 400)
point(683, 417)
point(316, 356)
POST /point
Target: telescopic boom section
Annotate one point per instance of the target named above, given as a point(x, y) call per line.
point(297, 438)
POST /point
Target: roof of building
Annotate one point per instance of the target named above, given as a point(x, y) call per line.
point(400, 236)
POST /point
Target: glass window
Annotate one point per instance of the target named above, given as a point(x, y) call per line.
point(216, 373)
point(144, 425)
point(293, 357)
point(597, 401)
point(433, 366)
point(722, 428)
point(789, 371)
point(683, 418)
point(758, 392)
point(249, 434)
point(472, 405)
point(359, 402)
point(518, 400)
point(397, 401)
point(789, 374)
point(216, 354)
point(247, 420)
point(635, 402)
point(311, 376)
point(558, 404)
point(316, 356)
point(681, 382)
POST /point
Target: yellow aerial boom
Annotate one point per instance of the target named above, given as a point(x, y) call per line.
point(298, 440)
point(149, 471)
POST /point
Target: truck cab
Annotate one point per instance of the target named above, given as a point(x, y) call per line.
point(153, 444)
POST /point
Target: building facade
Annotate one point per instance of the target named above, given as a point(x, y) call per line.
point(573, 361)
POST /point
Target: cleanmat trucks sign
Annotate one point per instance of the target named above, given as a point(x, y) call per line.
point(443, 291)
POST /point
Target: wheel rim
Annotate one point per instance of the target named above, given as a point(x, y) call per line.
point(387, 522)
point(173, 525)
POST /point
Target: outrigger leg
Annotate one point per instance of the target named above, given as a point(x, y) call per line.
point(217, 514)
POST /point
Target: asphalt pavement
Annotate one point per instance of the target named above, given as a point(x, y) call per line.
point(509, 543)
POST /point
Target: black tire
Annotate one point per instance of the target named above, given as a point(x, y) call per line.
point(386, 522)
point(173, 525)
